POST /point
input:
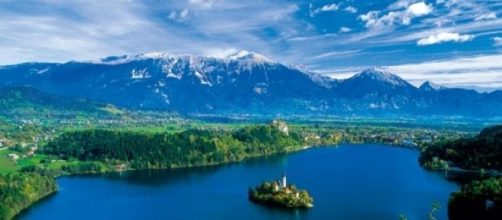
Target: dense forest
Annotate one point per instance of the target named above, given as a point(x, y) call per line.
point(483, 151)
point(146, 150)
point(477, 200)
point(101, 150)
point(19, 190)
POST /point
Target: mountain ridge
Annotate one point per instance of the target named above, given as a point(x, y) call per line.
point(244, 82)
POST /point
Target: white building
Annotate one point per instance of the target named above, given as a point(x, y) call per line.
point(14, 156)
point(283, 182)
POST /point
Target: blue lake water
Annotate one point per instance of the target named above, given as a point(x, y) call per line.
point(348, 182)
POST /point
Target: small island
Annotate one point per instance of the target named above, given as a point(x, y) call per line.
point(279, 194)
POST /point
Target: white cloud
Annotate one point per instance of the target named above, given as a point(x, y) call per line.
point(444, 37)
point(345, 30)
point(87, 29)
point(480, 28)
point(336, 54)
point(449, 3)
point(471, 72)
point(486, 16)
point(220, 53)
point(84, 30)
point(178, 16)
point(183, 13)
point(451, 65)
point(415, 10)
point(497, 41)
point(325, 8)
point(419, 9)
point(483, 73)
point(287, 11)
point(371, 18)
point(74, 30)
point(330, 7)
point(460, 11)
point(351, 9)
point(203, 3)
point(172, 15)
point(400, 4)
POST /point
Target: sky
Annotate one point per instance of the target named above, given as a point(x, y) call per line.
point(455, 43)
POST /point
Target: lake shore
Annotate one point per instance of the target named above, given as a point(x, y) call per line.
point(345, 182)
point(287, 151)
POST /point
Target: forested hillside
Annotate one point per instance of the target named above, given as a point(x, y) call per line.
point(143, 150)
point(483, 151)
point(477, 200)
point(19, 190)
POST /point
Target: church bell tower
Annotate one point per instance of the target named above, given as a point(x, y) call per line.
point(284, 183)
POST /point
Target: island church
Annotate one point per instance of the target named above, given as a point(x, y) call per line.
point(281, 184)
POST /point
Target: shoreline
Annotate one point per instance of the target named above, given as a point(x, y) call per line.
point(291, 150)
point(288, 151)
point(41, 198)
point(296, 149)
point(490, 173)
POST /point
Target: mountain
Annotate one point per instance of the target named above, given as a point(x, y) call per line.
point(175, 83)
point(375, 90)
point(244, 82)
point(16, 101)
point(429, 86)
point(375, 82)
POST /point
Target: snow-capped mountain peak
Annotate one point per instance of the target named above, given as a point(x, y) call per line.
point(243, 57)
point(378, 74)
point(113, 60)
point(429, 86)
point(249, 56)
point(243, 83)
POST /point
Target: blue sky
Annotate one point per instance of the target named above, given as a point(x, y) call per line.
point(450, 42)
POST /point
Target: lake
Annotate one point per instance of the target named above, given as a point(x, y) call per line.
point(364, 181)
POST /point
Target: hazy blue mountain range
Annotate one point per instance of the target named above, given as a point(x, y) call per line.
point(243, 83)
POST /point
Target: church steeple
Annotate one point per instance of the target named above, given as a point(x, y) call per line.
point(283, 182)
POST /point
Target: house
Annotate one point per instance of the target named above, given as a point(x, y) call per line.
point(14, 156)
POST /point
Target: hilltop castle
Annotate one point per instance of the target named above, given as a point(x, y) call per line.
point(281, 125)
